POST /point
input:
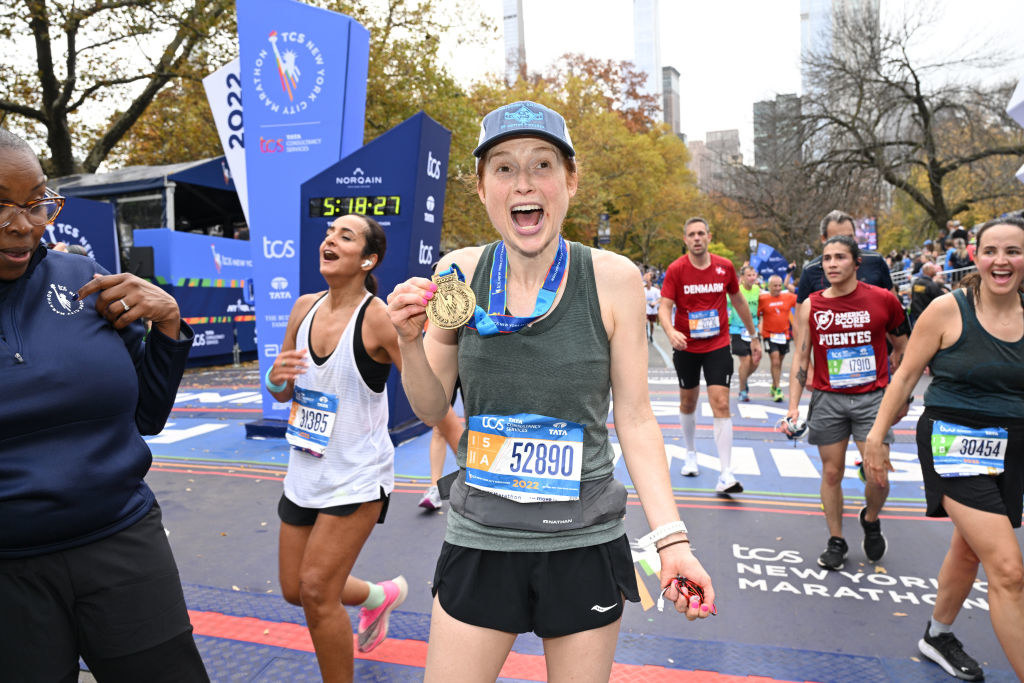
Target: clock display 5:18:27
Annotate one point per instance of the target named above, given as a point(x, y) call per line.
point(366, 205)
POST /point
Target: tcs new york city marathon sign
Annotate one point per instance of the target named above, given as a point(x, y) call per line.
point(303, 80)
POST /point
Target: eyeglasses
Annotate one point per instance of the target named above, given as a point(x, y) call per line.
point(38, 211)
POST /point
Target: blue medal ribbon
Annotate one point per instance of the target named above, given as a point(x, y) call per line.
point(495, 320)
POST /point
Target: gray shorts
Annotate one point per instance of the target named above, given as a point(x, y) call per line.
point(833, 417)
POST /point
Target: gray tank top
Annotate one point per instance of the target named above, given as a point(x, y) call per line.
point(557, 367)
point(978, 372)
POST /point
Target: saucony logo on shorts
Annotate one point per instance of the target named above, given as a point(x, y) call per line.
point(599, 608)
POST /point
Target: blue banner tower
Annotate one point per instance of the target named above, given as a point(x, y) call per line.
point(303, 76)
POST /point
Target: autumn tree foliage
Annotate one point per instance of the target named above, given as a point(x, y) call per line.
point(76, 76)
point(630, 166)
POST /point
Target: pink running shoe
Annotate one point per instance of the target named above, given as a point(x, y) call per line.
point(373, 623)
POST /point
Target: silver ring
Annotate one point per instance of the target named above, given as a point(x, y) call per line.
point(126, 306)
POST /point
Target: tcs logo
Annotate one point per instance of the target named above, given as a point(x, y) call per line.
point(271, 145)
point(433, 166)
point(278, 248)
point(491, 422)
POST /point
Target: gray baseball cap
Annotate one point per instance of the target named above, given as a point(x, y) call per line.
point(523, 118)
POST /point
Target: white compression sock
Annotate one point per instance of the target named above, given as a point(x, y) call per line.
point(937, 628)
point(688, 421)
point(723, 441)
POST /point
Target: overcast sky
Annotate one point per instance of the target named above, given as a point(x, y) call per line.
point(729, 53)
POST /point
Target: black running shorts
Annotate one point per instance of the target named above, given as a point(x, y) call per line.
point(296, 515)
point(550, 593)
point(717, 367)
point(740, 346)
point(115, 599)
point(1001, 495)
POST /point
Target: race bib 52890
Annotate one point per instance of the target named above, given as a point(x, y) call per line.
point(525, 457)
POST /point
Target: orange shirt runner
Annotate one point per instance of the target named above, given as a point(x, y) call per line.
point(774, 313)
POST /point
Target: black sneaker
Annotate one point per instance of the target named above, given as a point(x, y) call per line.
point(948, 652)
point(874, 542)
point(834, 554)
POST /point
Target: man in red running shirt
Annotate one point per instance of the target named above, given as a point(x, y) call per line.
point(845, 327)
point(697, 283)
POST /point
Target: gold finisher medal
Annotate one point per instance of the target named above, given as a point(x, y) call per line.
point(453, 303)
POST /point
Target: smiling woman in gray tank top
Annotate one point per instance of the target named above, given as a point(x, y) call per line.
point(970, 441)
point(535, 538)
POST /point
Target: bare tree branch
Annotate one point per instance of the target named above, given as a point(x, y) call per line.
point(875, 106)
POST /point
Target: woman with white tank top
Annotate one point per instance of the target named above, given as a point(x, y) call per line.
point(334, 362)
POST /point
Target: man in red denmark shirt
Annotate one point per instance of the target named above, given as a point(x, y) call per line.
point(697, 284)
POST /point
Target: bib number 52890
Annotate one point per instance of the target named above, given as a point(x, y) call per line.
point(542, 458)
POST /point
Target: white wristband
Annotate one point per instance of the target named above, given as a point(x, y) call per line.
point(661, 532)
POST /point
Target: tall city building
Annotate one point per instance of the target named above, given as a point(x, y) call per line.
point(818, 19)
point(647, 44)
point(711, 160)
point(700, 163)
point(515, 42)
point(778, 137)
point(670, 98)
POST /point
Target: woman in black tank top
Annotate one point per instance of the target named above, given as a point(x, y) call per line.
point(971, 450)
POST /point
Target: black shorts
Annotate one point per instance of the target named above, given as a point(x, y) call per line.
point(105, 600)
point(296, 515)
point(550, 593)
point(740, 347)
point(717, 367)
point(1001, 495)
point(773, 347)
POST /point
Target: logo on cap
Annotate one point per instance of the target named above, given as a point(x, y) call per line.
point(524, 115)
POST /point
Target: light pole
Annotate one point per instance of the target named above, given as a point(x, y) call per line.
point(752, 243)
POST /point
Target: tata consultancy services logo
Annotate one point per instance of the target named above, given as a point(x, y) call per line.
point(289, 75)
point(279, 288)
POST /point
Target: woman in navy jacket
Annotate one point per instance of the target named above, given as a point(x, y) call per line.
point(85, 567)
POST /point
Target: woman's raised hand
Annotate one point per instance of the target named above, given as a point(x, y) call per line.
point(407, 306)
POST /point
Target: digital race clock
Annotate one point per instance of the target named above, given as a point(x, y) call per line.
point(365, 205)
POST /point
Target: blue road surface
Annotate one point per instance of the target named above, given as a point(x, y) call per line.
point(780, 615)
